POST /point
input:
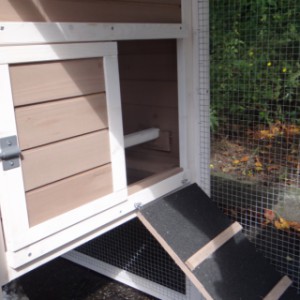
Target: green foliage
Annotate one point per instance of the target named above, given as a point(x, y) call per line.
point(255, 61)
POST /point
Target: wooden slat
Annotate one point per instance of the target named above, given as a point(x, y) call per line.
point(53, 121)
point(33, 83)
point(52, 200)
point(196, 259)
point(90, 11)
point(53, 162)
point(279, 289)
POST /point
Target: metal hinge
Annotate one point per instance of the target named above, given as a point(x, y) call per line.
point(9, 152)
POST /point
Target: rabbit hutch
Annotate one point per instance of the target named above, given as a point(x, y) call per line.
point(104, 108)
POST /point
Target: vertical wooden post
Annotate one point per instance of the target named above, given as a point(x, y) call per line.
point(3, 265)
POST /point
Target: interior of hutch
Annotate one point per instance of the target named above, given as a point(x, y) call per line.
point(149, 96)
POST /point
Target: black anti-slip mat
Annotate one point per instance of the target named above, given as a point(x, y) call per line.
point(187, 220)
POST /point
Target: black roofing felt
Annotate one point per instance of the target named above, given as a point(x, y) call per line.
point(186, 220)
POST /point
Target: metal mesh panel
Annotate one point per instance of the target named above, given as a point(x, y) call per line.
point(132, 248)
point(255, 124)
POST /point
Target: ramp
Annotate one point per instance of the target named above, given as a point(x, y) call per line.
point(210, 249)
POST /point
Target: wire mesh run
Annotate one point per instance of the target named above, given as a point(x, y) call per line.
point(132, 248)
point(255, 123)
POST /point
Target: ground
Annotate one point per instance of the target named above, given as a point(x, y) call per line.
point(64, 280)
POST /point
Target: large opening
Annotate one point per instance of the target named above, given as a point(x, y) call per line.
point(149, 93)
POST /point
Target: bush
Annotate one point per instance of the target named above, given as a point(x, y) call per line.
point(255, 62)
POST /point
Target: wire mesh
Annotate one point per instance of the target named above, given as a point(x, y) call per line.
point(132, 248)
point(255, 123)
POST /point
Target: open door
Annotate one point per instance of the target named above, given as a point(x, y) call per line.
point(210, 249)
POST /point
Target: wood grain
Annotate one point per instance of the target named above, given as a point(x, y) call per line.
point(57, 198)
point(149, 11)
point(53, 121)
point(33, 83)
point(53, 162)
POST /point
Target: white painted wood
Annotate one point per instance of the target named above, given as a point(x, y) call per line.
point(157, 190)
point(187, 108)
point(11, 183)
point(14, 33)
point(115, 123)
point(4, 278)
point(73, 235)
point(182, 105)
point(65, 220)
point(74, 231)
point(130, 279)
point(68, 246)
point(141, 137)
point(37, 53)
point(15, 221)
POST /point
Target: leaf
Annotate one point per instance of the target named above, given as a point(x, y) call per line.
point(273, 167)
point(270, 215)
point(244, 159)
point(265, 134)
point(294, 225)
point(281, 224)
point(236, 162)
point(292, 130)
point(258, 164)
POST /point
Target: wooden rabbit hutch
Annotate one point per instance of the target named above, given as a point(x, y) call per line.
point(100, 115)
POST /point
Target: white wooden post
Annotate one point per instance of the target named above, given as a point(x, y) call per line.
point(3, 266)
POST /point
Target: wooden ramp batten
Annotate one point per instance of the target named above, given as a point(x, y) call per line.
point(196, 259)
point(210, 249)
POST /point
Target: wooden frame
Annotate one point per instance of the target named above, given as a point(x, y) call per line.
point(29, 42)
point(16, 33)
point(92, 227)
point(18, 233)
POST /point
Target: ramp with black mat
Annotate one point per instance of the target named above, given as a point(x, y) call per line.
point(210, 249)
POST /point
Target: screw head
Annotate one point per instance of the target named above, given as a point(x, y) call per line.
point(11, 162)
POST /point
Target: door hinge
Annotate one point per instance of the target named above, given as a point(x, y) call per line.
point(10, 152)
